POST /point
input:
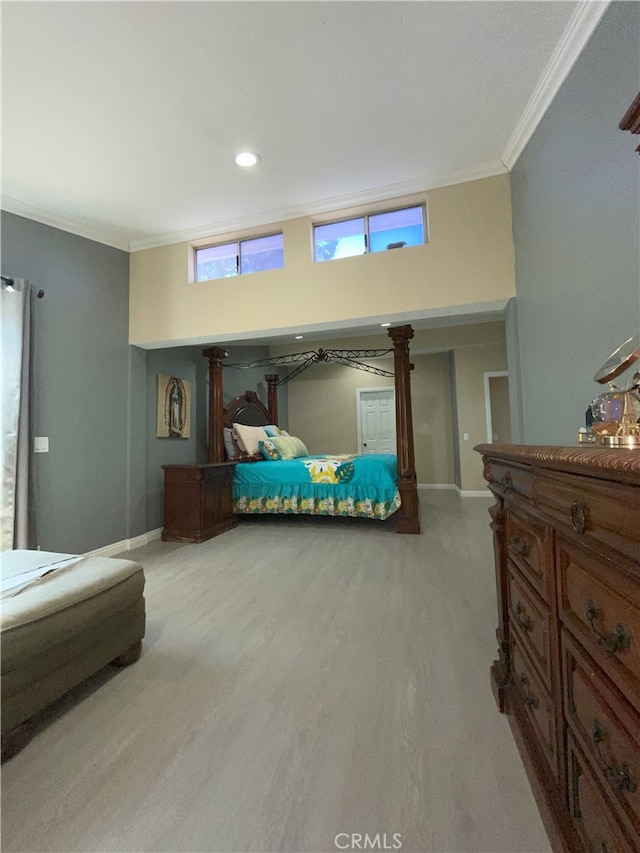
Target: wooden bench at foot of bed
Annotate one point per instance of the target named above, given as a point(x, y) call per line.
point(64, 617)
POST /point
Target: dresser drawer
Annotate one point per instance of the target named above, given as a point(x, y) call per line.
point(601, 513)
point(513, 478)
point(536, 700)
point(527, 548)
point(530, 616)
point(601, 606)
point(607, 728)
point(590, 811)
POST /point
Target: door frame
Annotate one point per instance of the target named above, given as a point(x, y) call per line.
point(359, 393)
point(490, 374)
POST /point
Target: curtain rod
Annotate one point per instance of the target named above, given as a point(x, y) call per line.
point(10, 282)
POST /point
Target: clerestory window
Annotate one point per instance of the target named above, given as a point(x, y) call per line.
point(375, 232)
point(240, 257)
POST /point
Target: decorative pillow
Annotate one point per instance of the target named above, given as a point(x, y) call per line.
point(230, 444)
point(272, 429)
point(248, 438)
point(289, 447)
point(269, 450)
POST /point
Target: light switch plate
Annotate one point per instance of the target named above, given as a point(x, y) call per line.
point(41, 444)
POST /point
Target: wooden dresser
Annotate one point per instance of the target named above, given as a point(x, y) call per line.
point(566, 532)
point(198, 501)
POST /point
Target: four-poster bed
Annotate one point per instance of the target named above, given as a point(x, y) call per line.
point(407, 519)
point(204, 500)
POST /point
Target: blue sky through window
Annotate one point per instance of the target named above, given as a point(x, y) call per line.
point(349, 237)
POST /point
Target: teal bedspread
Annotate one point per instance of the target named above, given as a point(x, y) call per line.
point(340, 484)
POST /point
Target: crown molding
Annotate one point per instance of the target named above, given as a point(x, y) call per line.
point(72, 226)
point(337, 203)
point(576, 34)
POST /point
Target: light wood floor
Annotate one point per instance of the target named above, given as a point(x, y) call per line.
point(297, 681)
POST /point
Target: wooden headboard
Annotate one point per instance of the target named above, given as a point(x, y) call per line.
point(246, 409)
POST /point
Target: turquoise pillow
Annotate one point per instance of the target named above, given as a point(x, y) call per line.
point(271, 430)
point(269, 451)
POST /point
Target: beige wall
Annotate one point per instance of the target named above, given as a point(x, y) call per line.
point(468, 260)
point(424, 341)
point(322, 405)
point(322, 400)
point(323, 411)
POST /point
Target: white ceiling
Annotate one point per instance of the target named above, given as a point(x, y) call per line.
point(120, 120)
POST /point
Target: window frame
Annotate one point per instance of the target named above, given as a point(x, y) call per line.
point(366, 216)
point(237, 242)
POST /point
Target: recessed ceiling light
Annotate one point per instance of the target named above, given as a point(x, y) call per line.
point(385, 324)
point(298, 337)
point(247, 158)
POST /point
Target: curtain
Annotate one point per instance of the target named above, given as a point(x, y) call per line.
point(17, 311)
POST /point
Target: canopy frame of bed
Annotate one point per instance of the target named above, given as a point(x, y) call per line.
point(408, 515)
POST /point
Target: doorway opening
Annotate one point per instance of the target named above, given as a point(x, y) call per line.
point(497, 404)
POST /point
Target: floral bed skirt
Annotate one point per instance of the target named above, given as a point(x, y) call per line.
point(295, 504)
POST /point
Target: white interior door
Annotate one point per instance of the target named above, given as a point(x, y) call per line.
point(376, 420)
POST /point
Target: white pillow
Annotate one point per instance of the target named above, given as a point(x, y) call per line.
point(248, 438)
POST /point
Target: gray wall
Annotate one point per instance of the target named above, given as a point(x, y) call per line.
point(515, 372)
point(89, 387)
point(185, 363)
point(96, 396)
point(239, 380)
point(576, 221)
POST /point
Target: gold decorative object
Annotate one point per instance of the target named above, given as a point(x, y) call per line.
point(625, 431)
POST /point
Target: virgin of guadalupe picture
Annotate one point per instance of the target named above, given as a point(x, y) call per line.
point(174, 407)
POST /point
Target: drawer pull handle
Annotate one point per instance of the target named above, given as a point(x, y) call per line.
point(528, 698)
point(525, 622)
point(507, 480)
point(521, 547)
point(620, 777)
point(578, 515)
point(618, 641)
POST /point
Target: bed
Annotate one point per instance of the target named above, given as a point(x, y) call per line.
point(375, 486)
point(266, 480)
point(337, 485)
point(64, 617)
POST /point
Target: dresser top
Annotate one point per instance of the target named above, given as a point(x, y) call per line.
point(604, 462)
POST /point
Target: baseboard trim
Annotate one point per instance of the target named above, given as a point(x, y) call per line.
point(464, 493)
point(451, 486)
point(125, 544)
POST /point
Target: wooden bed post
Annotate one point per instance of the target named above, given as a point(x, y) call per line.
point(216, 403)
point(272, 380)
point(408, 517)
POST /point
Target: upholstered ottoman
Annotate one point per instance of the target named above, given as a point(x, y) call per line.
point(64, 617)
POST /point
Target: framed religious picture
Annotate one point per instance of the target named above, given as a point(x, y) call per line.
point(174, 407)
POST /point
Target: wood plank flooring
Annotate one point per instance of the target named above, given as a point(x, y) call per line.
point(298, 680)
